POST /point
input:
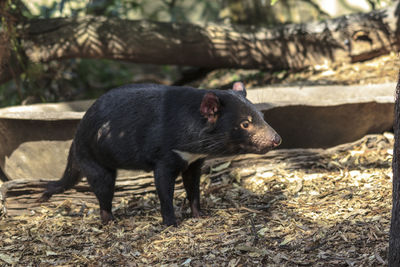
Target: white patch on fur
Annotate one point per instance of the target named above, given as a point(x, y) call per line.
point(189, 157)
point(104, 130)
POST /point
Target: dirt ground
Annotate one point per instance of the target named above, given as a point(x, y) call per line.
point(333, 209)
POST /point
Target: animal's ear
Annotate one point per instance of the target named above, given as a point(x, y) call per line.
point(209, 107)
point(239, 87)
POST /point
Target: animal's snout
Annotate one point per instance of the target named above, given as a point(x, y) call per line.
point(264, 139)
point(276, 140)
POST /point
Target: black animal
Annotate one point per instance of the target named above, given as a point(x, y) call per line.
point(167, 129)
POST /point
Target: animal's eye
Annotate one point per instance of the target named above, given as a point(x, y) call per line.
point(245, 124)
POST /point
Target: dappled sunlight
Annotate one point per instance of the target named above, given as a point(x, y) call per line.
point(321, 73)
point(342, 206)
point(276, 209)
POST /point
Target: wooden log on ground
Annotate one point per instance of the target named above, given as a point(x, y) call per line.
point(350, 38)
point(19, 197)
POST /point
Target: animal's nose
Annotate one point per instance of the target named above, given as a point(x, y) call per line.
point(277, 140)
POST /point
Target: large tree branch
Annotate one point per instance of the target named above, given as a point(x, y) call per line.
point(345, 39)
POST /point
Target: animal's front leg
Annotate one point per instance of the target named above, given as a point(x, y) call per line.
point(191, 181)
point(165, 175)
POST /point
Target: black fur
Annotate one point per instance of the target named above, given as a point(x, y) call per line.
point(145, 126)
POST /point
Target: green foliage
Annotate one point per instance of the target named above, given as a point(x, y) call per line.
point(84, 78)
point(273, 2)
point(160, 10)
point(73, 79)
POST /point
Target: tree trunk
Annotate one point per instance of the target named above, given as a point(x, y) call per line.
point(394, 241)
point(345, 39)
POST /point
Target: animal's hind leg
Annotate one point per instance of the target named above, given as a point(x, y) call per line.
point(102, 182)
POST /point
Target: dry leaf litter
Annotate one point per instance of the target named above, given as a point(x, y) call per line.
point(332, 209)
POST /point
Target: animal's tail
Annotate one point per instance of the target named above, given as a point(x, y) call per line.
point(71, 177)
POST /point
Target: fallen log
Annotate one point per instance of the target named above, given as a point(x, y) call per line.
point(19, 197)
point(350, 38)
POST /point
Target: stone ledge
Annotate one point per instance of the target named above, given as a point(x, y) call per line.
point(34, 139)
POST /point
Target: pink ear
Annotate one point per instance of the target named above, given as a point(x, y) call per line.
point(239, 87)
point(209, 107)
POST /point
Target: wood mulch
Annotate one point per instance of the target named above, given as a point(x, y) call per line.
point(290, 207)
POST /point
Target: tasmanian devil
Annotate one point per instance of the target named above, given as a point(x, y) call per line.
point(167, 129)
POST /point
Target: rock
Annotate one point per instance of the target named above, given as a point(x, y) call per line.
point(325, 116)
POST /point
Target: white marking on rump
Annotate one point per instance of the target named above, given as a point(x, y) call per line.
point(104, 130)
point(189, 157)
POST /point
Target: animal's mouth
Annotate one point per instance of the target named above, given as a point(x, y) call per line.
point(261, 146)
point(256, 149)
point(276, 140)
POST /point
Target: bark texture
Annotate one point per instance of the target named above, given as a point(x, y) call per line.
point(394, 241)
point(345, 39)
point(18, 197)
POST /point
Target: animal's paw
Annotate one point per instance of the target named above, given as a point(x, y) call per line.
point(44, 197)
point(170, 222)
point(106, 216)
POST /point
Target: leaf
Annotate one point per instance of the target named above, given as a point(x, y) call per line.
point(221, 167)
point(262, 231)
point(286, 240)
point(273, 2)
point(94, 229)
point(51, 253)
point(186, 262)
point(8, 259)
point(233, 262)
point(261, 252)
